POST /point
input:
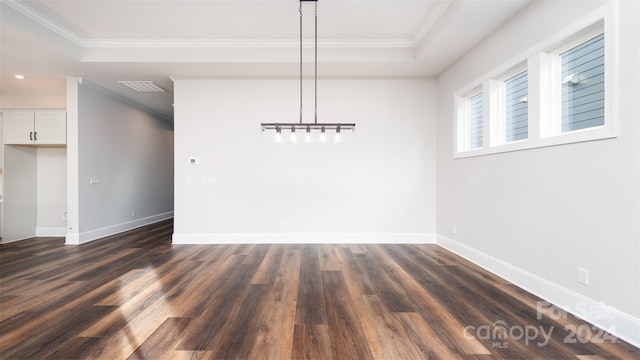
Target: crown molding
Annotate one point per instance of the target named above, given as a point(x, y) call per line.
point(85, 43)
point(41, 19)
point(242, 43)
point(430, 21)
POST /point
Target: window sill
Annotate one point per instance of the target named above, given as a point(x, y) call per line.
point(593, 134)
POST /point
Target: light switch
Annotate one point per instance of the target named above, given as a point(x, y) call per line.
point(194, 161)
point(94, 181)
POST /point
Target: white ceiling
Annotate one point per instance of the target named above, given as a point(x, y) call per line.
point(108, 40)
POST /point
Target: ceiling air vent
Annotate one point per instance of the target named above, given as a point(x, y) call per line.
point(142, 86)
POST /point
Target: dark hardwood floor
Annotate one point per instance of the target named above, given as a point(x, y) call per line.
point(136, 296)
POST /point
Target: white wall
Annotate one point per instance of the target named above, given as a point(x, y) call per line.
point(381, 188)
point(1, 162)
point(20, 197)
point(537, 215)
point(52, 191)
point(51, 96)
point(36, 190)
point(130, 151)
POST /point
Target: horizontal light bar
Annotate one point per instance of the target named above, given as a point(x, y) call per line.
point(312, 126)
point(310, 133)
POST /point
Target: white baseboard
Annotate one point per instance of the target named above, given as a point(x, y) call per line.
point(51, 231)
point(86, 236)
point(616, 322)
point(304, 238)
point(72, 239)
point(14, 240)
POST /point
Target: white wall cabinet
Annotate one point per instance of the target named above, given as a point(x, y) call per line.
point(33, 173)
point(40, 127)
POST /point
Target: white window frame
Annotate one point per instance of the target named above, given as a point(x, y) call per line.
point(463, 122)
point(543, 64)
point(552, 127)
point(497, 111)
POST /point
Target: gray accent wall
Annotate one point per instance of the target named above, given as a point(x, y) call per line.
point(129, 155)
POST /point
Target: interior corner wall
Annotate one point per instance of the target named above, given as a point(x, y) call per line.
point(51, 191)
point(379, 189)
point(130, 153)
point(538, 215)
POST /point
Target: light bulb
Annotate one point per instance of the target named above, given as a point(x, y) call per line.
point(278, 136)
point(323, 136)
point(307, 136)
point(292, 137)
point(337, 138)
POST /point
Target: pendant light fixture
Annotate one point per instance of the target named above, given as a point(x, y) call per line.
point(310, 132)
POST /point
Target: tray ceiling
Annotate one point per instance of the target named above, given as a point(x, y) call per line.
point(108, 41)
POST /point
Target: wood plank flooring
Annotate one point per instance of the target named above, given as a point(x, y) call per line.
point(136, 296)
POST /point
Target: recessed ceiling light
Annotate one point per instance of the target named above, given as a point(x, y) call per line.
point(142, 86)
point(19, 76)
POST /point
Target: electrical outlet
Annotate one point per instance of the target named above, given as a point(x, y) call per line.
point(94, 181)
point(583, 276)
point(454, 230)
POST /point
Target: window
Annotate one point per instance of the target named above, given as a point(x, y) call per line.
point(558, 92)
point(517, 110)
point(470, 122)
point(475, 121)
point(583, 85)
